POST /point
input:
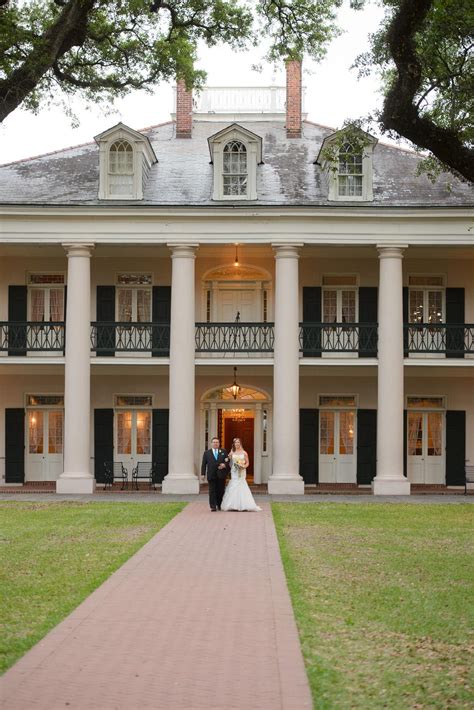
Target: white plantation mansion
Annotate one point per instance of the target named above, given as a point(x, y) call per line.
point(213, 275)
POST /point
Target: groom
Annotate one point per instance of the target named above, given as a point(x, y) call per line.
point(214, 462)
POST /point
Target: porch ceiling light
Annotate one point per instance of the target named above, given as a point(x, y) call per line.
point(236, 262)
point(235, 389)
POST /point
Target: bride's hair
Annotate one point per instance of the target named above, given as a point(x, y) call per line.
point(233, 443)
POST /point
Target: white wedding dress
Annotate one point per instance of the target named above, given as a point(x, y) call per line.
point(238, 495)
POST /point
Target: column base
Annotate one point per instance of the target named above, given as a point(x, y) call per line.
point(68, 484)
point(391, 487)
point(180, 486)
point(285, 486)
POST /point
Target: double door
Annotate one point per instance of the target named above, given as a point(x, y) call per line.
point(426, 306)
point(337, 452)
point(46, 306)
point(339, 306)
point(134, 308)
point(425, 447)
point(238, 304)
point(132, 437)
point(44, 457)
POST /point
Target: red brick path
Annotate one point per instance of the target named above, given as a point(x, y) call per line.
point(200, 617)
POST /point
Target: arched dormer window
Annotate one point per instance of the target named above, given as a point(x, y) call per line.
point(121, 169)
point(235, 173)
point(235, 154)
point(350, 172)
point(125, 160)
point(346, 159)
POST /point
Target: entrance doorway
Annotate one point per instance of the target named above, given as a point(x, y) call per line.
point(239, 424)
point(44, 459)
point(425, 443)
point(132, 437)
point(337, 439)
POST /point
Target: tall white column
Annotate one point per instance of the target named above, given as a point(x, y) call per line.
point(181, 477)
point(390, 479)
point(257, 444)
point(77, 477)
point(285, 478)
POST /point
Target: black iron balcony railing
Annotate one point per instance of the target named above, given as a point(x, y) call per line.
point(318, 338)
point(111, 338)
point(18, 338)
point(450, 339)
point(234, 337)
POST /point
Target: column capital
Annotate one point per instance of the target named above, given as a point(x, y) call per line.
point(78, 249)
point(287, 250)
point(391, 251)
point(183, 251)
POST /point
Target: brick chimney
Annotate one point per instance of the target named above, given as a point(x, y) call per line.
point(184, 110)
point(293, 98)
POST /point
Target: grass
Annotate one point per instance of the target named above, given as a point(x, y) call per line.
point(384, 601)
point(52, 555)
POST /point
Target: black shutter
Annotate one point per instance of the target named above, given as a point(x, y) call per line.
point(455, 448)
point(161, 313)
point(309, 458)
point(14, 445)
point(159, 444)
point(455, 315)
point(405, 443)
point(368, 297)
point(405, 321)
point(105, 314)
point(17, 313)
point(312, 314)
point(366, 445)
point(103, 441)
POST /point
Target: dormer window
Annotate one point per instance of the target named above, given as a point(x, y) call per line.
point(125, 159)
point(348, 165)
point(235, 176)
point(121, 169)
point(235, 154)
point(350, 173)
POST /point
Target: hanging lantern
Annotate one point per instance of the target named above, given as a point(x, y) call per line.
point(235, 389)
point(236, 262)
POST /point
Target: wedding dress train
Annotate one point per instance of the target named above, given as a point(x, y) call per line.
point(238, 495)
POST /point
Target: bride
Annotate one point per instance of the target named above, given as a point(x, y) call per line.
point(237, 495)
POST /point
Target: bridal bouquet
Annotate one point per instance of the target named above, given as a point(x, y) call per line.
point(240, 463)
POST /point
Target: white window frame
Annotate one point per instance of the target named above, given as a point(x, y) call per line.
point(349, 407)
point(442, 408)
point(425, 288)
point(132, 406)
point(143, 159)
point(253, 148)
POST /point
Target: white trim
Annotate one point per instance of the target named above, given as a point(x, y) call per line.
point(443, 408)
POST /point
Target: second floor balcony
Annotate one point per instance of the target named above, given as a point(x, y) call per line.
point(115, 339)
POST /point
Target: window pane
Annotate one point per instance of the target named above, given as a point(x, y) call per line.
point(35, 432)
point(37, 304)
point(435, 306)
point(329, 306)
point(125, 305)
point(435, 433)
point(46, 278)
point(129, 279)
point(55, 432)
point(121, 158)
point(337, 400)
point(425, 280)
point(416, 306)
point(350, 185)
point(346, 433)
point(45, 400)
point(425, 402)
point(326, 445)
point(143, 433)
point(143, 305)
point(124, 432)
point(348, 306)
point(415, 434)
point(56, 304)
point(340, 280)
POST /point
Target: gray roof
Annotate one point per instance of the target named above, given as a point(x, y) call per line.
point(183, 175)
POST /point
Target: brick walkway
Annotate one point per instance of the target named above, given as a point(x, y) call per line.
point(199, 618)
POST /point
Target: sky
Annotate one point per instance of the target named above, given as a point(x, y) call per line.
point(333, 93)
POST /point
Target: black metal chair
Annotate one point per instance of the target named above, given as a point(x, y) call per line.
point(468, 476)
point(143, 470)
point(113, 471)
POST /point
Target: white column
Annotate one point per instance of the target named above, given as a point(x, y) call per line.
point(181, 477)
point(390, 479)
point(212, 421)
point(285, 478)
point(77, 477)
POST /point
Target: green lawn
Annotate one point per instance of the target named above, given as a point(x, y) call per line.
point(384, 601)
point(52, 555)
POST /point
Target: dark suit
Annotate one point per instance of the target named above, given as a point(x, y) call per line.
point(216, 476)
